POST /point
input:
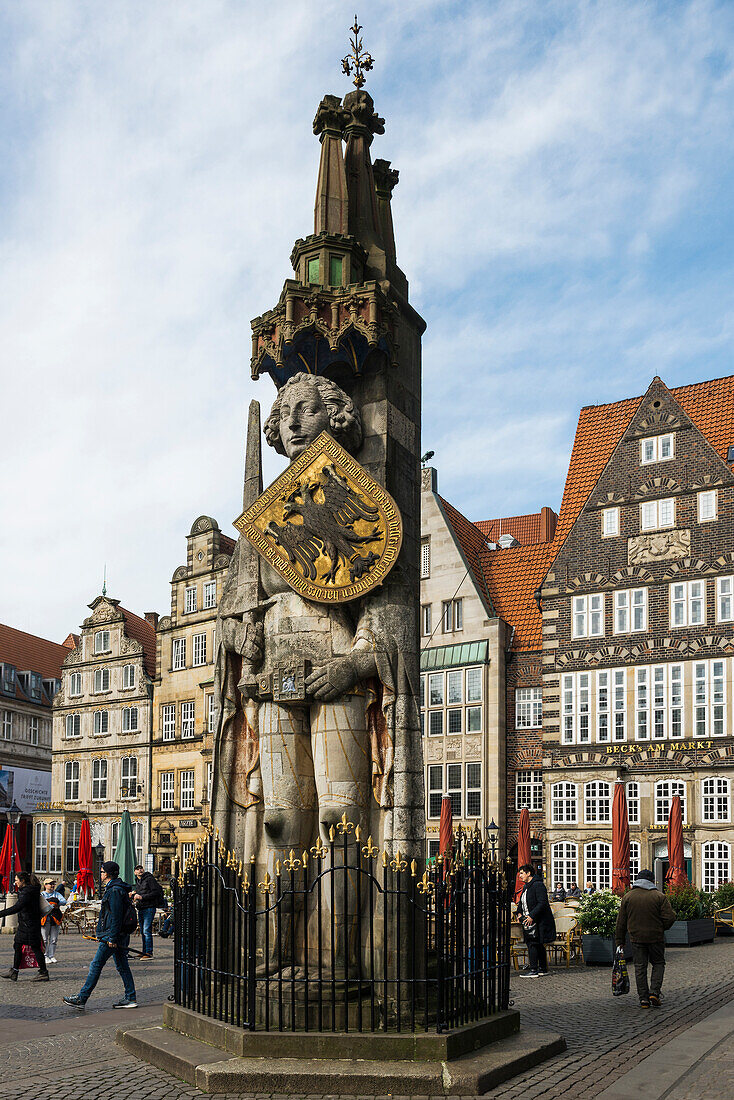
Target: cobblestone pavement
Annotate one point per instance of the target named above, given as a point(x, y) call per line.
point(44, 1045)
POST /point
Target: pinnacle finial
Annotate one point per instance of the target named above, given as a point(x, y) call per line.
point(357, 63)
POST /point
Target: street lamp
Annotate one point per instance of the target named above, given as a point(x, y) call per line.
point(14, 814)
point(99, 852)
point(491, 830)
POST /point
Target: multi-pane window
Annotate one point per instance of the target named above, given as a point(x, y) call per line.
point(210, 594)
point(715, 799)
point(656, 514)
point(425, 558)
point(129, 777)
point(474, 790)
point(33, 730)
point(187, 852)
point(75, 683)
point(168, 790)
point(529, 790)
point(168, 721)
point(7, 725)
point(630, 610)
point(724, 602)
point(598, 864)
point(102, 641)
point(72, 725)
point(709, 699)
point(474, 685)
point(138, 834)
point(99, 780)
point(564, 859)
point(209, 777)
point(588, 616)
point(435, 723)
point(688, 603)
point(435, 789)
point(633, 803)
point(473, 719)
point(716, 864)
point(453, 720)
point(576, 707)
point(665, 792)
point(54, 847)
point(426, 620)
point(707, 505)
point(199, 646)
point(187, 719)
point(41, 845)
point(563, 804)
point(128, 676)
point(101, 679)
point(179, 654)
point(453, 787)
point(435, 689)
point(634, 859)
point(211, 714)
point(453, 689)
point(658, 448)
point(71, 781)
point(129, 719)
point(529, 708)
point(73, 832)
point(597, 803)
point(187, 790)
point(190, 599)
point(453, 615)
point(610, 522)
point(101, 722)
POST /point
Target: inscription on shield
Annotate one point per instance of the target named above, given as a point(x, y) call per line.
point(325, 525)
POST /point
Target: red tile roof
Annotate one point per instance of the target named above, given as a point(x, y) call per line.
point(513, 576)
point(28, 652)
point(226, 544)
point(142, 632)
point(472, 543)
point(528, 530)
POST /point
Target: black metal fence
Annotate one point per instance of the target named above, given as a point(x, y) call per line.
point(344, 937)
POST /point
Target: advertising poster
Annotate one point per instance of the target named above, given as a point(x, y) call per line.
point(28, 788)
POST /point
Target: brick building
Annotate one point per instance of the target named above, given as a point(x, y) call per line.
point(638, 635)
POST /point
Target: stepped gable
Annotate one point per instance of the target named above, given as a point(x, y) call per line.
point(142, 632)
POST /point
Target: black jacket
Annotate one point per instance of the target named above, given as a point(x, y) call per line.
point(558, 895)
point(114, 904)
point(150, 891)
point(536, 896)
point(28, 908)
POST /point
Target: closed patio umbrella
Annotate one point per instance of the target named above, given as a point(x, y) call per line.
point(124, 855)
point(445, 829)
point(620, 841)
point(676, 875)
point(85, 875)
point(523, 848)
point(5, 859)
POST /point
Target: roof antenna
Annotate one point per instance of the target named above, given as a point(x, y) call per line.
point(104, 580)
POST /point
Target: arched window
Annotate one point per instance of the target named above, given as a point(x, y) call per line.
point(598, 864)
point(715, 799)
point(564, 860)
point(665, 791)
point(40, 846)
point(716, 864)
point(73, 832)
point(598, 803)
point(563, 804)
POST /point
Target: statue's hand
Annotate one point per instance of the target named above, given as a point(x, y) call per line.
point(328, 682)
point(251, 644)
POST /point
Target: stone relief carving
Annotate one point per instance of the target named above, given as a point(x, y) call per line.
point(660, 546)
point(473, 746)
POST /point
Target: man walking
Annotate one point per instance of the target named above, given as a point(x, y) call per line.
point(538, 925)
point(148, 896)
point(645, 913)
point(113, 940)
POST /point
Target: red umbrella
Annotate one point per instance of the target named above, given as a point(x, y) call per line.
point(676, 875)
point(445, 829)
point(85, 877)
point(620, 841)
point(523, 848)
point(5, 859)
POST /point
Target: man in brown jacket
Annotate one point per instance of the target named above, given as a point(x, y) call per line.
point(645, 913)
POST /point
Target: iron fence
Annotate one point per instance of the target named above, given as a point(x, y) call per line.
point(343, 937)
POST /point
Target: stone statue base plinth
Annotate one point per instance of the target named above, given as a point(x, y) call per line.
point(9, 924)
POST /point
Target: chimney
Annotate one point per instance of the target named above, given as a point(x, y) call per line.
point(548, 521)
point(152, 618)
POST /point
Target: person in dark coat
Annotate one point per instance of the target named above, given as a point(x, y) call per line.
point(573, 891)
point(28, 908)
point(645, 913)
point(147, 896)
point(559, 894)
point(538, 925)
point(113, 941)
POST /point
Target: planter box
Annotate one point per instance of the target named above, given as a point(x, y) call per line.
point(598, 950)
point(689, 933)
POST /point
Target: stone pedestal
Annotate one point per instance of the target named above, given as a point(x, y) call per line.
point(9, 924)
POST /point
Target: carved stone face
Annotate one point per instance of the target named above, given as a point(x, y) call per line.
point(303, 416)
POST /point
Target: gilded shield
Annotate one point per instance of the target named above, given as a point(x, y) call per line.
point(325, 525)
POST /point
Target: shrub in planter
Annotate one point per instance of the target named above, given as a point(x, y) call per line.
point(598, 914)
point(689, 903)
point(724, 896)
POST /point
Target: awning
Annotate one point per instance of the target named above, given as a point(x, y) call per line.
point(449, 656)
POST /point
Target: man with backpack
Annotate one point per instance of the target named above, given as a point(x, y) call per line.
point(117, 919)
point(147, 896)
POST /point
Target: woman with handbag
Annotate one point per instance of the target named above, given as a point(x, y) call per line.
point(28, 932)
point(538, 925)
point(51, 919)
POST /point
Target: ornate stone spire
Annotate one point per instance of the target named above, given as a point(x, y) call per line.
point(332, 204)
point(363, 123)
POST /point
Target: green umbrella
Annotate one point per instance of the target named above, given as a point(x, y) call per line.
point(125, 851)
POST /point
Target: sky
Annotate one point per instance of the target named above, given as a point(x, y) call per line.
point(564, 215)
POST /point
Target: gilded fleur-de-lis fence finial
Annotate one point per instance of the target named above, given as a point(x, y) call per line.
point(356, 63)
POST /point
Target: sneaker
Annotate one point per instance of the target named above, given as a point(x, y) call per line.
point(655, 1000)
point(544, 973)
point(11, 974)
point(125, 1004)
point(74, 1002)
point(42, 977)
point(531, 974)
point(644, 1004)
point(145, 957)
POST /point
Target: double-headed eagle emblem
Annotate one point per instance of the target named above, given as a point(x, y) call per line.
point(325, 525)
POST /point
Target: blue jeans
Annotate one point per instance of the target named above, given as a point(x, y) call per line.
point(145, 920)
point(103, 955)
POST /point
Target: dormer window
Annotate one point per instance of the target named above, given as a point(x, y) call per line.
point(658, 448)
point(102, 641)
point(36, 684)
point(9, 679)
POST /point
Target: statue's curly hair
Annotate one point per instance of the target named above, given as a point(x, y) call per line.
point(345, 423)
